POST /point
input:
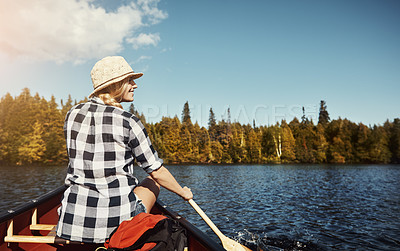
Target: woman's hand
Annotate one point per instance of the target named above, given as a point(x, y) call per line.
point(187, 193)
point(163, 177)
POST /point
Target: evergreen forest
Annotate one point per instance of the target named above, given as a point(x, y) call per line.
point(31, 133)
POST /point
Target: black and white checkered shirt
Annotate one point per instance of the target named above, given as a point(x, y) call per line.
point(102, 142)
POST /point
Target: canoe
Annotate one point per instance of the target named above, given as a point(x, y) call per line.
point(31, 227)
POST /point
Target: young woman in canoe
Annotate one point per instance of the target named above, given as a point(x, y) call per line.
point(103, 141)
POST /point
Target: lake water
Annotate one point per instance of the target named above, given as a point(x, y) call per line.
point(273, 207)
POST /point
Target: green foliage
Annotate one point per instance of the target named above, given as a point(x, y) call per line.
point(31, 129)
point(288, 144)
point(31, 132)
point(253, 147)
point(394, 139)
point(33, 146)
point(169, 130)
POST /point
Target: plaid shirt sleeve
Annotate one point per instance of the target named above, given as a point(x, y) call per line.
point(145, 155)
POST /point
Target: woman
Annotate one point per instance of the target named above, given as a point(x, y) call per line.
point(103, 141)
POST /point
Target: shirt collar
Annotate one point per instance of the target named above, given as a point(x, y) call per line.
point(97, 100)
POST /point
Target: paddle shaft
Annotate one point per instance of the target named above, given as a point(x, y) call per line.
point(227, 243)
point(206, 219)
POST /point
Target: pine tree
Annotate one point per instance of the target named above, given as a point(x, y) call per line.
point(320, 144)
point(3, 146)
point(195, 132)
point(33, 146)
point(271, 143)
point(6, 129)
point(156, 139)
point(303, 118)
point(185, 146)
point(20, 124)
point(288, 144)
point(339, 135)
point(211, 120)
point(222, 135)
point(253, 147)
point(323, 114)
point(211, 125)
point(170, 132)
point(229, 124)
point(362, 144)
point(216, 152)
point(65, 108)
point(229, 115)
point(394, 144)
point(132, 110)
point(53, 135)
point(186, 114)
point(379, 151)
point(205, 155)
point(235, 149)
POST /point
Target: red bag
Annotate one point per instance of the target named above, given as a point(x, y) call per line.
point(126, 236)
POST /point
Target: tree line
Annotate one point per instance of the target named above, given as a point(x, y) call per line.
point(31, 132)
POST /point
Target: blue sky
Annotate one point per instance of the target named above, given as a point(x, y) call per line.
point(263, 59)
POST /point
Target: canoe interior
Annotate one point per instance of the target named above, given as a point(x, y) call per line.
point(47, 214)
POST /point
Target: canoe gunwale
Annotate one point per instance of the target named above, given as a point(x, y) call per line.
point(32, 204)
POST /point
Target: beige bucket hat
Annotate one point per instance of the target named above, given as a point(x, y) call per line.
point(110, 70)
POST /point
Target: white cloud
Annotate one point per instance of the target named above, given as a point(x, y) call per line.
point(166, 49)
point(144, 40)
point(73, 30)
point(150, 10)
point(143, 58)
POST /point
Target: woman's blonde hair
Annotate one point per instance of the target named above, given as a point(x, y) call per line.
point(112, 95)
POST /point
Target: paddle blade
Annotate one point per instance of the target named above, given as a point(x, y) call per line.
point(232, 245)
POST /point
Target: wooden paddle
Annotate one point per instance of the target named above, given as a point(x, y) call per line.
point(227, 243)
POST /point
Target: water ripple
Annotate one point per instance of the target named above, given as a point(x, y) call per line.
point(275, 207)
